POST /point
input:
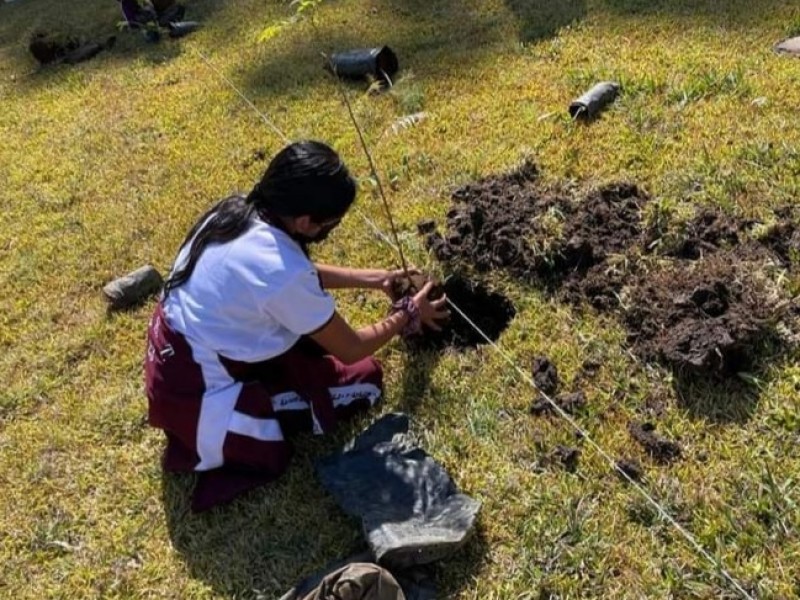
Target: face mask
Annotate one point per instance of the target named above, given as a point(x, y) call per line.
point(320, 236)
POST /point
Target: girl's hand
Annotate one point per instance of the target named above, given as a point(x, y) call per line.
point(390, 277)
point(431, 312)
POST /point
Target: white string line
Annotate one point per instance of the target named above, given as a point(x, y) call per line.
point(527, 378)
point(269, 123)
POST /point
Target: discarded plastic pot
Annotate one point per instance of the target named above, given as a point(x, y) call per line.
point(380, 63)
point(85, 52)
point(133, 288)
point(790, 46)
point(182, 28)
point(589, 105)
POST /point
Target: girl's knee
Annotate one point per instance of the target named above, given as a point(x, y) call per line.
point(374, 371)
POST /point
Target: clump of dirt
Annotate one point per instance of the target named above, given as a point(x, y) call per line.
point(590, 367)
point(491, 221)
point(412, 284)
point(607, 222)
point(710, 317)
point(569, 403)
point(490, 311)
point(567, 457)
point(660, 448)
point(631, 468)
point(545, 375)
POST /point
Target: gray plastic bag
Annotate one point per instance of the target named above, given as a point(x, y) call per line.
point(410, 509)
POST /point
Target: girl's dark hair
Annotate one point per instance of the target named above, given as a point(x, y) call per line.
point(305, 178)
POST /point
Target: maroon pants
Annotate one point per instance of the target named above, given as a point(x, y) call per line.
point(229, 420)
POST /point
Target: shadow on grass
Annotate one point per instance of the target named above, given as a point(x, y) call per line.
point(725, 11)
point(432, 39)
point(270, 539)
point(725, 401)
point(296, 64)
point(735, 398)
point(263, 542)
point(417, 370)
point(544, 18)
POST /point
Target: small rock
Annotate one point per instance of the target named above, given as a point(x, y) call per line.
point(426, 226)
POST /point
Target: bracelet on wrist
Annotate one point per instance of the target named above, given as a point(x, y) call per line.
point(407, 306)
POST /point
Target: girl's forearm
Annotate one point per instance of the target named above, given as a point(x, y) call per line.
point(344, 277)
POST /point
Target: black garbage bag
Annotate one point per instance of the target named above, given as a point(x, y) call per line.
point(410, 509)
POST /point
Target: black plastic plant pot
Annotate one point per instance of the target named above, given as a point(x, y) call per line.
point(380, 63)
point(588, 106)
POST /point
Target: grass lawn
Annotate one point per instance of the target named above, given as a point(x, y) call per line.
point(105, 165)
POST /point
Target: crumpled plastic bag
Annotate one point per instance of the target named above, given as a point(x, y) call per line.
point(355, 581)
point(411, 511)
point(415, 583)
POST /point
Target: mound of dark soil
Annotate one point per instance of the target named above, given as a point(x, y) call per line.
point(705, 309)
point(783, 239)
point(502, 223)
point(710, 316)
point(491, 221)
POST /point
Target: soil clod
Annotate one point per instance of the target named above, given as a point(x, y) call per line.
point(708, 232)
point(631, 468)
point(711, 318)
point(569, 403)
point(545, 375)
point(567, 456)
point(660, 448)
point(426, 227)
